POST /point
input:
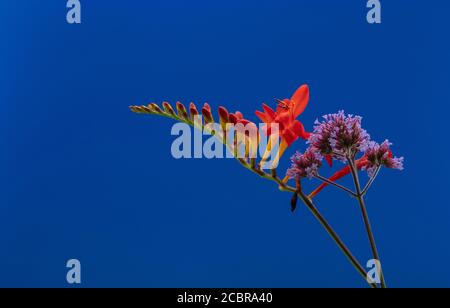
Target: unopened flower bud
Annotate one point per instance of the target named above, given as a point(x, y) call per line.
point(182, 113)
point(168, 109)
point(193, 111)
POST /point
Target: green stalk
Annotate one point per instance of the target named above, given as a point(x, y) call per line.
point(365, 215)
point(335, 237)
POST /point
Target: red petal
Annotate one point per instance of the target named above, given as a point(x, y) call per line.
point(329, 160)
point(269, 111)
point(284, 119)
point(361, 162)
point(289, 136)
point(300, 100)
point(300, 130)
point(262, 116)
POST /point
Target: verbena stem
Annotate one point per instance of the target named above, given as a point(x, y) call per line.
point(335, 184)
point(365, 215)
point(335, 237)
point(369, 183)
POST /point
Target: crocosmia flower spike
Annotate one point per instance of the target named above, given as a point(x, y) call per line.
point(338, 137)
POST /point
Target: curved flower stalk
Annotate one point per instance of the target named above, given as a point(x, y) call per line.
point(338, 137)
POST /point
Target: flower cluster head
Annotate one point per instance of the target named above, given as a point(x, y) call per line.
point(339, 136)
point(380, 155)
point(304, 165)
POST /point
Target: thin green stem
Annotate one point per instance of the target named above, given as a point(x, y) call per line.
point(365, 215)
point(369, 183)
point(334, 235)
point(335, 184)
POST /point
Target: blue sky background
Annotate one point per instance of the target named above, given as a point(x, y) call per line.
point(82, 177)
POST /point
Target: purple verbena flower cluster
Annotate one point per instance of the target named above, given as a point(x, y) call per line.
point(304, 165)
point(339, 135)
point(380, 155)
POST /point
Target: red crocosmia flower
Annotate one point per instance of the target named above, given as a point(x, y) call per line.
point(290, 129)
point(360, 163)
